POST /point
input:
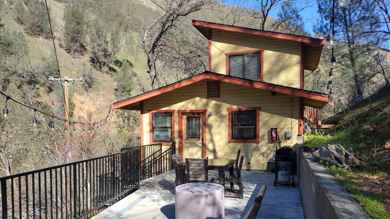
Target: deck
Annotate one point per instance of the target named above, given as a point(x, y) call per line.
point(155, 199)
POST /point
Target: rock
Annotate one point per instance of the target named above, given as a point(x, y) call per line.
point(337, 155)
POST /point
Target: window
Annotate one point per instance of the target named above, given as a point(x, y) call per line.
point(243, 126)
point(193, 126)
point(213, 89)
point(162, 126)
point(245, 66)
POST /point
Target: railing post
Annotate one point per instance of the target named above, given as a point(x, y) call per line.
point(173, 153)
point(4, 206)
point(75, 190)
point(173, 147)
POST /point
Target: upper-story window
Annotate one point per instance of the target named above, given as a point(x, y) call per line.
point(247, 66)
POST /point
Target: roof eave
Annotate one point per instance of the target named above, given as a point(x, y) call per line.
point(133, 103)
point(206, 28)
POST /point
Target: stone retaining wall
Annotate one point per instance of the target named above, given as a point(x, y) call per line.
point(322, 196)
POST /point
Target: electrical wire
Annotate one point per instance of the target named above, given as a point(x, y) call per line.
point(98, 123)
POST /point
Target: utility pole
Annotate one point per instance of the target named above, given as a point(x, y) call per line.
point(65, 81)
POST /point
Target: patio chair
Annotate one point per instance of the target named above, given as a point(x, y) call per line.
point(254, 209)
point(180, 168)
point(237, 159)
point(196, 170)
point(235, 179)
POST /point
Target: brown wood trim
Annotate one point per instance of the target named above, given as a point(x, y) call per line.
point(210, 44)
point(181, 135)
point(151, 126)
point(302, 70)
point(301, 124)
point(204, 25)
point(261, 76)
point(236, 109)
point(142, 125)
point(244, 52)
point(290, 91)
point(204, 131)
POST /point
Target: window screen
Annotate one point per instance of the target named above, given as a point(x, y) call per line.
point(162, 126)
point(244, 125)
point(193, 127)
point(245, 66)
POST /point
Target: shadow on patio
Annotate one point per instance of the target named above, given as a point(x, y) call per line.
point(156, 199)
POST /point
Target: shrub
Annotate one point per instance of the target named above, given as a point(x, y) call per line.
point(32, 14)
point(74, 29)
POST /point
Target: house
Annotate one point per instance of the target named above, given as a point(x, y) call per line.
point(251, 97)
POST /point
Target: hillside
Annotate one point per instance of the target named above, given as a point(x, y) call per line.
point(365, 130)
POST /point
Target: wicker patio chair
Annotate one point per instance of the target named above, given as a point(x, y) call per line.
point(254, 209)
point(196, 170)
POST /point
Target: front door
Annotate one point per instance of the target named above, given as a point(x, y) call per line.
point(192, 132)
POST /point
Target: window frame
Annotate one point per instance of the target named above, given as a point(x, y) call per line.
point(199, 116)
point(152, 114)
point(231, 110)
point(246, 52)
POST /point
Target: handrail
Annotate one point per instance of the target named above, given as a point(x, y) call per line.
point(80, 188)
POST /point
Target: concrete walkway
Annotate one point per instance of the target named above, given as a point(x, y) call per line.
point(156, 199)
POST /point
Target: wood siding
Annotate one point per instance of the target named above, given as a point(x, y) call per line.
point(281, 60)
point(277, 111)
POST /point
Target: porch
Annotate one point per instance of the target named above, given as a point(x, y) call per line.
point(156, 199)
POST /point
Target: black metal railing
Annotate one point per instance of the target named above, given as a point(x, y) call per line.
point(80, 189)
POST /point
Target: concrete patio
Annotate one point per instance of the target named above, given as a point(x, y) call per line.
point(156, 199)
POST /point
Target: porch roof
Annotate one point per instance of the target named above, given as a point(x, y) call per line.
point(311, 98)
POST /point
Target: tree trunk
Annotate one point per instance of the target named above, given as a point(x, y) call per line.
point(358, 85)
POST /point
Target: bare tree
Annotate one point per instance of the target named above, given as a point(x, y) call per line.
point(266, 6)
point(381, 65)
point(289, 18)
point(354, 20)
point(153, 39)
point(384, 21)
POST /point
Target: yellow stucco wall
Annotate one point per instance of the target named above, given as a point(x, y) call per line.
point(277, 111)
point(281, 59)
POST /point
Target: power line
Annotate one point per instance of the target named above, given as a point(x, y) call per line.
point(66, 120)
point(53, 38)
point(8, 98)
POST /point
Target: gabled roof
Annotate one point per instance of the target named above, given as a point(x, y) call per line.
point(315, 99)
point(312, 47)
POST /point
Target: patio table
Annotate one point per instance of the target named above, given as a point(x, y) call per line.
point(221, 164)
point(199, 201)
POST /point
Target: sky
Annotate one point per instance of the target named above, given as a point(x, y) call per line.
point(309, 10)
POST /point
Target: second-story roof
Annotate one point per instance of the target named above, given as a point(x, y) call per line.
point(311, 47)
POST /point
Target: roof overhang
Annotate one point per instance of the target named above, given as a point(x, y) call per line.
point(311, 47)
point(311, 98)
